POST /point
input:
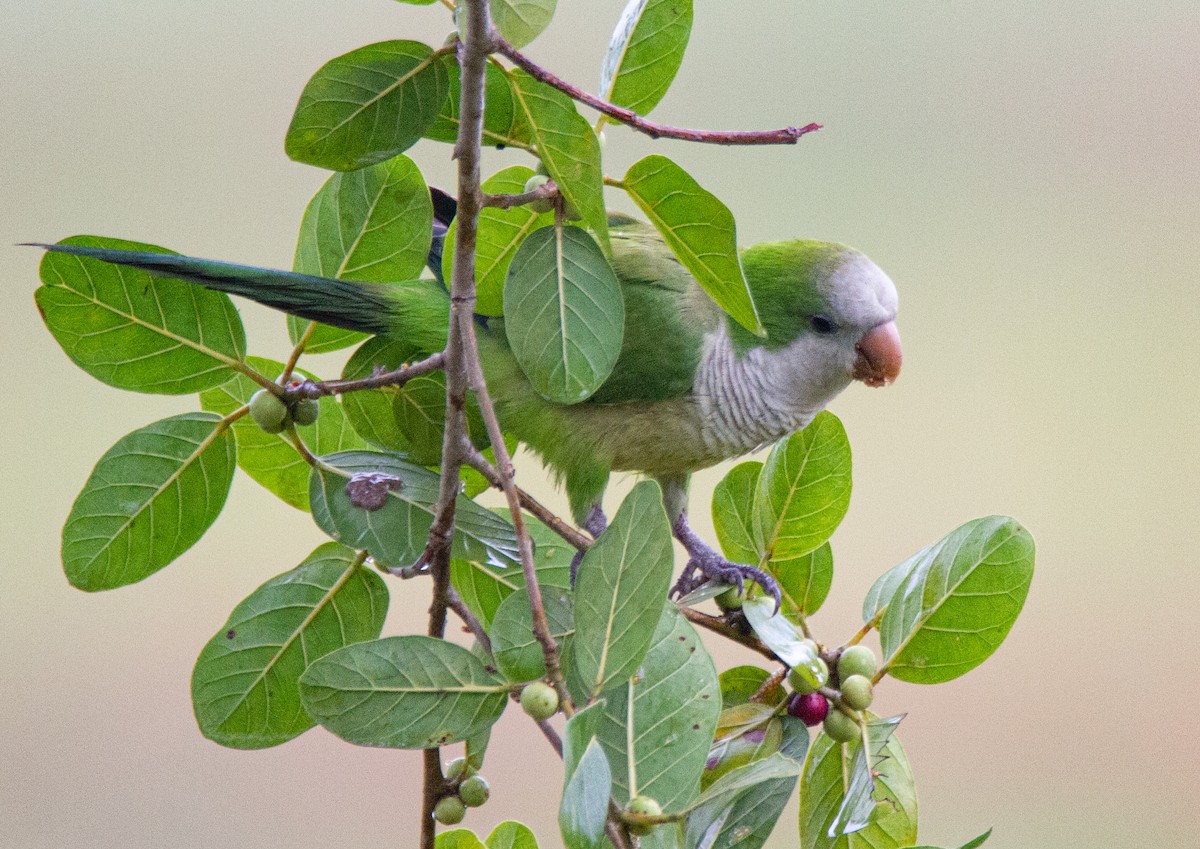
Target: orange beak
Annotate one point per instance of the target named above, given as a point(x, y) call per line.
point(879, 355)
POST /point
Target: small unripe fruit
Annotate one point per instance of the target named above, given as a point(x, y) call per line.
point(857, 692)
point(449, 810)
point(539, 700)
point(809, 708)
point(841, 727)
point(857, 660)
point(459, 769)
point(731, 599)
point(306, 411)
point(474, 791)
point(541, 204)
point(646, 807)
point(268, 411)
point(800, 685)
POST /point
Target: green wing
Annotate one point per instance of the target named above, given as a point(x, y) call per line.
point(667, 315)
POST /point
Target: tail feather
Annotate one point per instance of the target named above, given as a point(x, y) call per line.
point(415, 309)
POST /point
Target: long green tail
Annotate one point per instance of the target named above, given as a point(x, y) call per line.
point(416, 310)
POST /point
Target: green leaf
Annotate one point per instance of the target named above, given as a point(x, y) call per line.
point(745, 733)
point(584, 808)
point(645, 52)
point(371, 412)
point(458, 838)
point(409, 692)
point(518, 654)
point(373, 225)
point(958, 601)
point(521, 21)
point(700, 230)
point(658, 726)
point(781, 637)
point(396, 533)
point(149, 499)
point(741, 682)
point(270, 458)
point(503, 122)
point(739, 810)
point(367, 105)
point(581, 730)
point(622, 583)
point(483, 587)
point(733, 512)
point(804, 489)
point(511, 835)
point(475, 748)
point(823, 789)
point(970, 844)
point(568, 148)
point(804, 581)
point(419, 409)
point(564, 313)
point(501, 232)
point(859, 783)
point(245, 687)
point(795, 738)
point(135, 331)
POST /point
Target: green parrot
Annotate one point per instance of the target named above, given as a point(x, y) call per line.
point(690, 388)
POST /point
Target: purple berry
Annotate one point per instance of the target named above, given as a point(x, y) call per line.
point(809, 708)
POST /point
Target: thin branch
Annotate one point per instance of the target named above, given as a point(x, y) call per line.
point(719, 626)
point(551, 735)
point(396, 377)
point(546, 191)
point(464, 613)
point(544, 514)
point(773, 681)
point(786, 135)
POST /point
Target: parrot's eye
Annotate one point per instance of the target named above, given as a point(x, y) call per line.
point(822, 324)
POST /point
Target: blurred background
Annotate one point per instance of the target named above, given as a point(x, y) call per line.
point(1028, 173)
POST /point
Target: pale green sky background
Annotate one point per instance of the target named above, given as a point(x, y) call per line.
point(1028, 173)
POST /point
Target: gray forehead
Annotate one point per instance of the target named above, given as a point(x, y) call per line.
point(860, 292)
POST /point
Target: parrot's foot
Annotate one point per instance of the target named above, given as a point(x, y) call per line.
point(594, 524)
point(706, 564)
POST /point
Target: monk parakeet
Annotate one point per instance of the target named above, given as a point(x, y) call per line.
point(690, 388)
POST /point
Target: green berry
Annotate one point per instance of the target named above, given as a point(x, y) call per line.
point(449, 810)
point(541, 204)
point(841, 727)
point(539, 700)
point(306, 411)
point(459, 769)
point(857, 660)
point(643, 806)
point(731, 599)
point(269, 412)
point(801, 686)
point(857, 692)
point(474, 791)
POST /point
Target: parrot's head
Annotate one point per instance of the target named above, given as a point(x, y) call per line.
point(829, 313)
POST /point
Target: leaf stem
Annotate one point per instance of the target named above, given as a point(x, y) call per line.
point(785, 135)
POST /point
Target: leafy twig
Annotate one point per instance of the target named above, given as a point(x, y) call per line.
point(785, 135)
point(396, 377)
point(720, 626)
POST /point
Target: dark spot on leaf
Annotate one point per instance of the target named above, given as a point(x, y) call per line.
point(692, 650)
point(682, 638)
point(369, 490)
point(706, 695)
point(755, 735)
point(696, 726)
point(230, 634)
point(501, 146)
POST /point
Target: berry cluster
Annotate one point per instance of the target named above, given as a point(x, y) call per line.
point(274, 415)
point(852, 692)
point(471, 791)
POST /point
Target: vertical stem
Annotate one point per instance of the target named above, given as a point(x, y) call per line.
point(462, 306)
